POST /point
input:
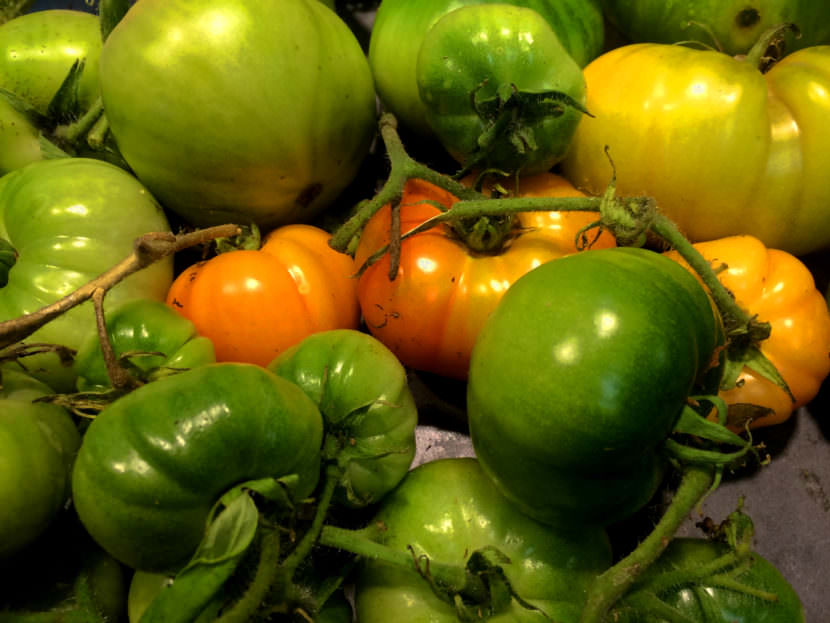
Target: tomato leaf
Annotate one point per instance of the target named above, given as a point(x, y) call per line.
point(227, 538)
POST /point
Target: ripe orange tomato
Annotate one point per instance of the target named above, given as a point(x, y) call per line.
point(255, 304)
point(779, 289)
point(431, 313)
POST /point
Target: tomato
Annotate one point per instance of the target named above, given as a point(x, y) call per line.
point(253, 304)
point(367, 407)
point(484, 62)
point(149, 338)
point(448, 509)
point(38, 49)
point(153, 463)
point(400, 27)
point(724, 149)
point(38, 442)
point(19, 139)
point(239, 112)
point(580, 374)
point(69, 221)
point(779, 289)
point(431, 313)
point(732, 26)
point(707, 600)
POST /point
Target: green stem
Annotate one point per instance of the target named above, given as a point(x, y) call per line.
point(611, 585)
point(72, 132)
point(265, 577)
point(731, 312)
point(360, 542)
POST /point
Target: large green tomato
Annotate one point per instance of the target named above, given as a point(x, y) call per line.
point(70, 220)
point(580, 374)
point(732, 26)
point(369, 412)
point(38, 442)
point(154, 462)
point(238, 111)
point(38, 49)
point(481, 63)
point(446, 510)
point(401, 25)
point(722, 147)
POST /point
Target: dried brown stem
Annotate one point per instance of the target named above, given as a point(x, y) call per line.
point(147, 250)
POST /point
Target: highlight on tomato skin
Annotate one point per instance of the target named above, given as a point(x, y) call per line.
point(778, 288)
point(431, 313)
point(253, 304)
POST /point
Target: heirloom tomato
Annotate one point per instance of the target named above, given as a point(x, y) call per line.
point(69, 220)
point(732, 26)
point(779, 289)
point(749, 592)
point(253, 304)
point(368, 410)
point(150, 339)
point(401, 25)
point(38, 49)
point(580, 374)
point(38, 442)
point(430, 314)
point(20, 138)
point(446, 511)
point(239, 112)
point(154, 462)
point(482, 63)
point(723, 148)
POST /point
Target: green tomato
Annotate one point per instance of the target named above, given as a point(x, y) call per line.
point(732, 26)
point(483, 62)
point(401, 25)
point(370, 415)
point(233, 111)
point(447, 509)
point(580, 374)
point(161, 341)
point(38, 442)
point(709, 601)
point(154, 462)
point(70, 220)
point(38, 49)
point(19, 139)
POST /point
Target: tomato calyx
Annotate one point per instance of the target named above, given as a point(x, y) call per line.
point(769, 48)
point(510, 117)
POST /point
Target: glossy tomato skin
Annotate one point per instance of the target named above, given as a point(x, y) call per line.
point(400, 27)
point(724, 149)
point(581, 372)
point(446, 509)
point(38, 442)
point(162, 342)
point(153, 463)
point(482, 51)
point(70, 220)
point(254, 304)
point(779, 289)
point(368, 409)
point(19, 139)
point(38, 49)
point(734, 25)
point(432, 312)
point(239, 112)
point(707, 602)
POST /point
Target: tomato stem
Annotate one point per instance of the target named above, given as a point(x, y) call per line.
point(612, 584)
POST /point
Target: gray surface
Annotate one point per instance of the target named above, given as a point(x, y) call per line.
point(786, 499)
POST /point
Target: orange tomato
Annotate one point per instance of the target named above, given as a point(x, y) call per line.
point(255, 304)
point(778, 288)
point(432, 312)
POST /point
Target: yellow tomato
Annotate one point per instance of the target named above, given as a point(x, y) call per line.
point(723, 148)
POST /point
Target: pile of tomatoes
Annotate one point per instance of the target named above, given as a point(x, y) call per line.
point(232, 232)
